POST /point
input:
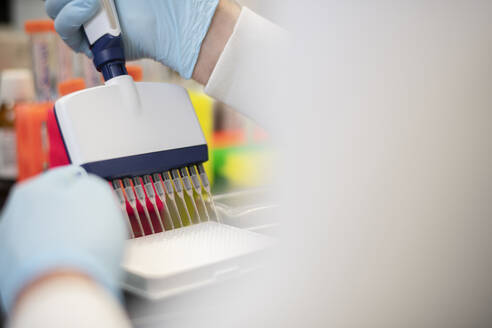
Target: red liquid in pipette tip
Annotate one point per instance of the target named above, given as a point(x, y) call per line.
point(133, 220)
point(154, 217)
point(143, 217)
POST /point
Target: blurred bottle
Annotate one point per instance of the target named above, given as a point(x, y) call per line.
point(66, 60)
point(69, 86)
point(136, 72)
point(16, 86)
point(228, 120)
point(91, 76)
point(32, 138)
point(42, 41)
point(243, 157)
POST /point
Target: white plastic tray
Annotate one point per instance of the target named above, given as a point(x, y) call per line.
point(252, 210)
point(169, 263)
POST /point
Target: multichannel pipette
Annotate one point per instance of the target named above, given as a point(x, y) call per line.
point(144, 134)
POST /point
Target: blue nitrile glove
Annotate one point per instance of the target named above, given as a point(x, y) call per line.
point(65, 219)
point(169, 31)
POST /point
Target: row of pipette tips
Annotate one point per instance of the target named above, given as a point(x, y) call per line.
point(166, 201)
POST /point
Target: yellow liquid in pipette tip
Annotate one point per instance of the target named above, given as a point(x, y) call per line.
point(174, 211)
point(183, 211)
point(192, 209)
point(188, 195)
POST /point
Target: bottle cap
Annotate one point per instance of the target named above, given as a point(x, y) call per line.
point(16, 85)
point(135, 72)
point(39, 26)
point(70, 86)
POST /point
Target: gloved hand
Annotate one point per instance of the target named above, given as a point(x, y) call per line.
point(64, 219)
point(169, 31)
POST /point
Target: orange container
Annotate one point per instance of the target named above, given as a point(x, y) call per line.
point(39, 26)
point(69, 86)
point(32, 138)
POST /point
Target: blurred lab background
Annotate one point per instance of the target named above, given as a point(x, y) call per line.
point(37, 68)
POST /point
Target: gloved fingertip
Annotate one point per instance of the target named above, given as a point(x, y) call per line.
point(51, 8)
point(81, 172)
point(93, 5)
point(67, 172)
point(73, 15)
point(87, 8)
point(76, 42)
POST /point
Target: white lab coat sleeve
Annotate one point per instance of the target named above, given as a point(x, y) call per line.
point(68, 302)
point(245, 75)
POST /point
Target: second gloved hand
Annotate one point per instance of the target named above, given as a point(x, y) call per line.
point(169, 31)
point(64, 219)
